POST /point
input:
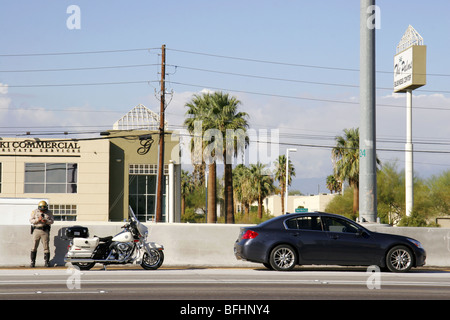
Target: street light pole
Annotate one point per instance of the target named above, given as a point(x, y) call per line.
point(287, 178)
point(367, 135)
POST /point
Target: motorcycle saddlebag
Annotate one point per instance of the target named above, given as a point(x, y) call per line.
point(77, 232)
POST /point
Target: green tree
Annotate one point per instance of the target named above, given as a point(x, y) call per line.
point(333, 184)
point(390, 194)
point(243, 190)
point(199, 109)
point(262, 181)
point(440, 193)
point(232, 124)
point(221, 121)
point(346, 161)
point(345, 157)
point(187, 186)
point(280, 176)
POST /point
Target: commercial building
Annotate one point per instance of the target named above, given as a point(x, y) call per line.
point(95, 179)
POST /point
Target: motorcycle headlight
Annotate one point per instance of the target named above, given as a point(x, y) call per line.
point(416, 243)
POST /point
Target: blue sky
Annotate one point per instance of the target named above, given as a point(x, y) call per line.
point(315, 37)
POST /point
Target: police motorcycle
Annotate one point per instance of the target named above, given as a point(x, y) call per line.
point(128, 246)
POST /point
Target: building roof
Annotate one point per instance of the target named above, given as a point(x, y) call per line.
point(139, 118)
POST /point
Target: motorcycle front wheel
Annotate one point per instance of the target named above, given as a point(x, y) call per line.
point(152, 261)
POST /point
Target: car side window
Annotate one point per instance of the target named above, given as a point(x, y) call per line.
point(339, 225)
point(305, 223)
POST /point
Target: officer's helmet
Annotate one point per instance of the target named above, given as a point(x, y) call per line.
point(43, 206)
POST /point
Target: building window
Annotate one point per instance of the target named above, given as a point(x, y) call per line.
point(51, 177)
point(64, 212)
point(142, 190)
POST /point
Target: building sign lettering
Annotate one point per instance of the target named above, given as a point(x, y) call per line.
point(39, 146)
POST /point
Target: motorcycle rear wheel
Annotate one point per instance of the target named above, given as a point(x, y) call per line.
point(152, 261)
point(84, 265)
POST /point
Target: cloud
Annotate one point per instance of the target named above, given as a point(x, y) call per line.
point(5, 100)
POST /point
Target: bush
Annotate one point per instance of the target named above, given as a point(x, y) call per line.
point(342, 204)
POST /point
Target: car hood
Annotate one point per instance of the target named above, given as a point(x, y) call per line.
point(391, 236)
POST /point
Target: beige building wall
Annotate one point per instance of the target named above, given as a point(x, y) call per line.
point(92, 158)
point(312, 203)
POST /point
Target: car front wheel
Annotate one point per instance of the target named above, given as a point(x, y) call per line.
point(399, 259)
point(283, 258)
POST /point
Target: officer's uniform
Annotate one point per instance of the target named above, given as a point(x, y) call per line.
point(41, 219)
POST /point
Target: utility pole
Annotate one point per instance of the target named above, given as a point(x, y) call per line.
point(367, 131)
point(160, 180)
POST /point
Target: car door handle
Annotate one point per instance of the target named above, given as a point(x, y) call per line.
point(296, 234)
point(334, 237)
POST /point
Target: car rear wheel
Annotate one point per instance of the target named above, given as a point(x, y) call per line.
point(399, 259)
point(283, 258)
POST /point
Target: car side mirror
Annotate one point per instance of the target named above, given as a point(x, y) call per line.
point(360, 232)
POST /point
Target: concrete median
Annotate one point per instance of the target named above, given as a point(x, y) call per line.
point(185, 244)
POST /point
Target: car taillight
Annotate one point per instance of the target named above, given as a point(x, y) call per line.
point(249, 234)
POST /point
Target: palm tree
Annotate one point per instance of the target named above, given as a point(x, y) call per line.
point(187, 186)
point(220, 118)
point(233, 125)
point(280, 176)
point(262, 182)
point(333, 184)
point(345, 157)
point(242, 187)
point(198, 110)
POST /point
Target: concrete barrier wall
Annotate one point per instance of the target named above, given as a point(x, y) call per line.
point(189, 244)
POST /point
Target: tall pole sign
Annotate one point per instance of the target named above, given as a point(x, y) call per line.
point(409, 74)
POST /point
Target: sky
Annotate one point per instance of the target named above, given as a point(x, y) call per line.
point(294, 65)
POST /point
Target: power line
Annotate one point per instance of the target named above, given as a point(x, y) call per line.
point(289, 80)
point(287, 63)
point(194, 69)
point(197, 53)
point(74, 52)
point(80, 69)
point(301, 98)
point(78, 84)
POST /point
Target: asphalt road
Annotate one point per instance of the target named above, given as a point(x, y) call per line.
point(247, 289)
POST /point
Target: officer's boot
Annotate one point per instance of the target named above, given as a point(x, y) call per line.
point(47, 259)
point(33, 259)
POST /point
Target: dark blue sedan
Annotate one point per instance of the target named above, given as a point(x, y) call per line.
point(321, 238)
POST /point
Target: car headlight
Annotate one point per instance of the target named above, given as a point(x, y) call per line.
point(416, 243)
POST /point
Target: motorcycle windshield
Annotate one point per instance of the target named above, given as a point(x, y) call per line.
point(139, 226)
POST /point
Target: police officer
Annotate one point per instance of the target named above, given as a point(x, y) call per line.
point(41, 219)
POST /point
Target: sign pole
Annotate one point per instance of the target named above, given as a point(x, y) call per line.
point(409, 161)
